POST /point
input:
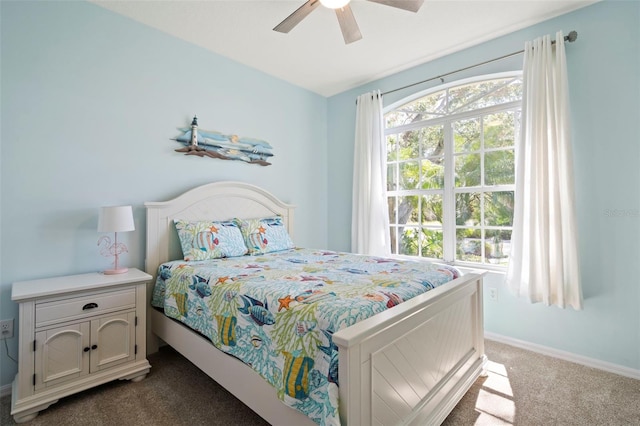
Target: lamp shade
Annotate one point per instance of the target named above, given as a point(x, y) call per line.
point(116, 219)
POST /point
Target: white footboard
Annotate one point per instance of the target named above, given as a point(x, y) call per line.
point(413, 363)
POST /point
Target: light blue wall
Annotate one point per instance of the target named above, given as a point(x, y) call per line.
point(89, 102)
point(604, 68)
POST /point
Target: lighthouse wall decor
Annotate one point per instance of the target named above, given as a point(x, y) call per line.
point(226, 147)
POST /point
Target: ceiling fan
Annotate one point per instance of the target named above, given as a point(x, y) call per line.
point(348, 24)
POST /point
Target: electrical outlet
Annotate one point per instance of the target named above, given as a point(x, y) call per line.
point(493, 294)
point(6, 329)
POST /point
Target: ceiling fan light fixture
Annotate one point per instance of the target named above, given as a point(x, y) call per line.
point(348, 24)
point(334, 4)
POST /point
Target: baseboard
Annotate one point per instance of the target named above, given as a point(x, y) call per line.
point(5, 390)
point(566, 356)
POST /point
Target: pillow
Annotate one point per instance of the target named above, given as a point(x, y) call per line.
point(209, 240)
point(264, 235)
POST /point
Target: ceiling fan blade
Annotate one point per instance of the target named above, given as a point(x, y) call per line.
point(410, 5)
point(297, 16)
point(348, 25)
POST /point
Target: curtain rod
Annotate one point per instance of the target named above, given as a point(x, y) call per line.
point(571, 37)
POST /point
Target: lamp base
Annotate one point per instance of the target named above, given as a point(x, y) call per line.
point(115, 271)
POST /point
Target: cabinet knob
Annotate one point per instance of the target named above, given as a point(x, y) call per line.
point(94, 347)
point(87, 349)
point(89, 306)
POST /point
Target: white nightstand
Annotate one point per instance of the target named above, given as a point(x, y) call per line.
point(75, 333)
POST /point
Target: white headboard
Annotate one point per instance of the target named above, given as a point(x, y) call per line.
point(213, 201)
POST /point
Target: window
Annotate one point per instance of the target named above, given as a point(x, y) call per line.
point(450, 171)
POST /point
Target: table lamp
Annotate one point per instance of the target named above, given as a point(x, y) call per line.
point(114, 219)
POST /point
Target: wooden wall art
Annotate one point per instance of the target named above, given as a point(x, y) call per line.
point(205, 143)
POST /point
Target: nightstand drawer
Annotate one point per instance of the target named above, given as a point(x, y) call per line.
point(78, 307)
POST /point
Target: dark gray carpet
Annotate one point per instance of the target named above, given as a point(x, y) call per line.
point(523, 388)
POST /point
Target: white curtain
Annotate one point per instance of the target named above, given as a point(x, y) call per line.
point(544, 261)
point(370, 215)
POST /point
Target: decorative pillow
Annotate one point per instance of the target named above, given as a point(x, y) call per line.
point(210, 240)
point(265, 235)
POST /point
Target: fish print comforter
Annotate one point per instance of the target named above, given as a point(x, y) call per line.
point(277, 312)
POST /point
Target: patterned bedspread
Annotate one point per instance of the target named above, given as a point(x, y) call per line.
point(277, 312)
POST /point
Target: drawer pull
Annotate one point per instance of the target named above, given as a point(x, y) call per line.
point(89, 306)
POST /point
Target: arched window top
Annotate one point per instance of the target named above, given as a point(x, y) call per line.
point(455, 98)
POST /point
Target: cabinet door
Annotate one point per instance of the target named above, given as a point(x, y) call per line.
point(112, 340)
point(61, 355)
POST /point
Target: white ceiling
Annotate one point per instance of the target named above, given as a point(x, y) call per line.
point(313, 55)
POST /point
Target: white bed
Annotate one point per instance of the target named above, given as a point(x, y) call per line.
point(407, 365)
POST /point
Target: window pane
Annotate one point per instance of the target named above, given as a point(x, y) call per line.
point(392, 153)
point(408, 145)
point(469, 245)
point(407, 210)
point(466, 135)
point(393, 234)
point(408, 245)
point(468, 209)
point(392, 177)
point(409, 175)
point(498, 208)
point(393, 219)
point(425, 108)
point(484, 94)
point(467, 170)
point(432, 243)
point(499, 130)
point(497, 246)
point(499, 167)
point(432, 210)
point(397, 118)
point(433, 173)
point(432, 141)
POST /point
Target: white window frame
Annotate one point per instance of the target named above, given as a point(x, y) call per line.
point(448, 197)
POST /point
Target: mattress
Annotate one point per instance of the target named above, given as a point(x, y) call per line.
point(277, 312)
